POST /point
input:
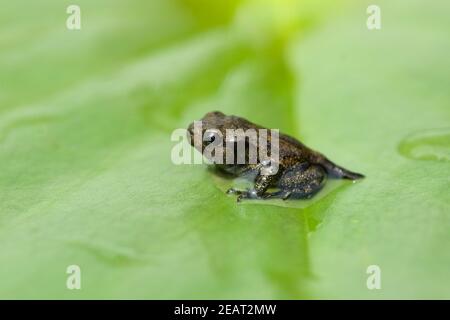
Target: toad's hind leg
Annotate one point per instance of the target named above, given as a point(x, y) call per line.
point(301, 183)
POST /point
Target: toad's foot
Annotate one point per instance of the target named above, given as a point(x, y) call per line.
point(252, 194)
point(243, 194)
point(235, 191)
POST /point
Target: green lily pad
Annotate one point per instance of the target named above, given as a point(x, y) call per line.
point(87, 179)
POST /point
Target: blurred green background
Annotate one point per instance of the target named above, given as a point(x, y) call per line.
point(86, 176)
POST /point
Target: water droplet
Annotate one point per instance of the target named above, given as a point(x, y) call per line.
point(431, 144)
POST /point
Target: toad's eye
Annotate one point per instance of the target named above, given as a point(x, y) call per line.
point(211, 136)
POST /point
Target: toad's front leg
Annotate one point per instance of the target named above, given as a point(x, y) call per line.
point(262, 183)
